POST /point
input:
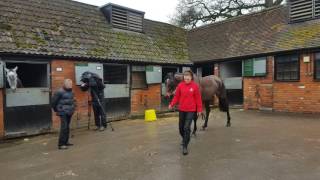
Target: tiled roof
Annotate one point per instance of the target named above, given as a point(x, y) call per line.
point(264, 32)
point(71, 29)
point(67, 28)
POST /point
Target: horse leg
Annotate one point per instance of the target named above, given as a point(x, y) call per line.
point(195, 125)
point(229, 119)
point(207, 106)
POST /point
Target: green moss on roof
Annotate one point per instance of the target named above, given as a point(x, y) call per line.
point(298, 36)
point(97, 52)
point(168, 36)
point(123, 38)
point(69, 28)
point(5, 26)
point(268, 31)
point(39, 40)
point(73, 29)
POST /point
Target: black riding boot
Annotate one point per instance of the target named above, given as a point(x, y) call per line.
point(185, 119)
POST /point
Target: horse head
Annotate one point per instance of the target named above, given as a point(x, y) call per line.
point(12, 77)
point(171, 82)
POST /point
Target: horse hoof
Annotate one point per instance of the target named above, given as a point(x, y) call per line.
point(203, 128)
point(228, 125)
point(194, 134)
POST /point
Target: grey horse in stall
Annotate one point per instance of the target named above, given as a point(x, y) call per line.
point(13, 79)
point(210, 86)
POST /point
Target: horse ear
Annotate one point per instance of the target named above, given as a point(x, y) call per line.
point(15, 69)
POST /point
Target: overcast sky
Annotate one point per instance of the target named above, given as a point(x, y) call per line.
point(159, 10)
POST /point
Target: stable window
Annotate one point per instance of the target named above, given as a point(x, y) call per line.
point(287, 68)
point(115, 74)
point(31, 74)
point(139, 80)
point(317, 66)
point(207, 70)
point(255, 67)
point(166, 71)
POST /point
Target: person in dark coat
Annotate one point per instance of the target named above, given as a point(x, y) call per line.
point(93, 82)
point(63, 103)
point(98, 104)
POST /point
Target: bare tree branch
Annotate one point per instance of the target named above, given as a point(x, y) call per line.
point(191, 13)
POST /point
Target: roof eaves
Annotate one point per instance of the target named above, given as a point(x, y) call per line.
point(316, 48)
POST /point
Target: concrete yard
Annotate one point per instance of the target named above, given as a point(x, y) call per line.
point(258, 146)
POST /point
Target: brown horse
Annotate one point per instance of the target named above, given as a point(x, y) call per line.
point(210, 86)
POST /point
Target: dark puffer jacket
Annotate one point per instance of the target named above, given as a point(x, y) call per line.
point(63, 102)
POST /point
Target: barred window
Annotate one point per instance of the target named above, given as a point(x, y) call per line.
point(115, 74)
point(287, 68)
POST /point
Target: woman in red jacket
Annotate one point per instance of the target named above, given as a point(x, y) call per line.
point(188, 97)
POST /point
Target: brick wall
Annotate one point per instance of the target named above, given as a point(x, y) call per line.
point(57, 82)
point(258, 91)
point(302, 96)
point(142, 99)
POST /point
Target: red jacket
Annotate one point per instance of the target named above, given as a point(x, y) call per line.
point(188, 97)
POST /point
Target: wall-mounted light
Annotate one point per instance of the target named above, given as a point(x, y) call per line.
point(59, 69)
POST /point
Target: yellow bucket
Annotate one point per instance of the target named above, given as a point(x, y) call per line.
point(150, 115)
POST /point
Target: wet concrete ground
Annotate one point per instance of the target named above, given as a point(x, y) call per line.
point(258, 146)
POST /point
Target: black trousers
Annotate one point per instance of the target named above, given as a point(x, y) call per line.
point(185, 120)
point(64, 129)
point(99, 116)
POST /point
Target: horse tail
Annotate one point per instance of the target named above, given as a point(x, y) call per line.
point(223, 100)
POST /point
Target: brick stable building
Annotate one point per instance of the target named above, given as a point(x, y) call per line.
point(268, 59)
point(50, 40)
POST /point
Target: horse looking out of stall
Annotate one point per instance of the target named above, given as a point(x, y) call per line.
point(210, 86)
point(13, 79)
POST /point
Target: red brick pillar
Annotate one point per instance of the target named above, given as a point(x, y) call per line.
point(142, 99)
point(258, 91)
point(68, 72)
